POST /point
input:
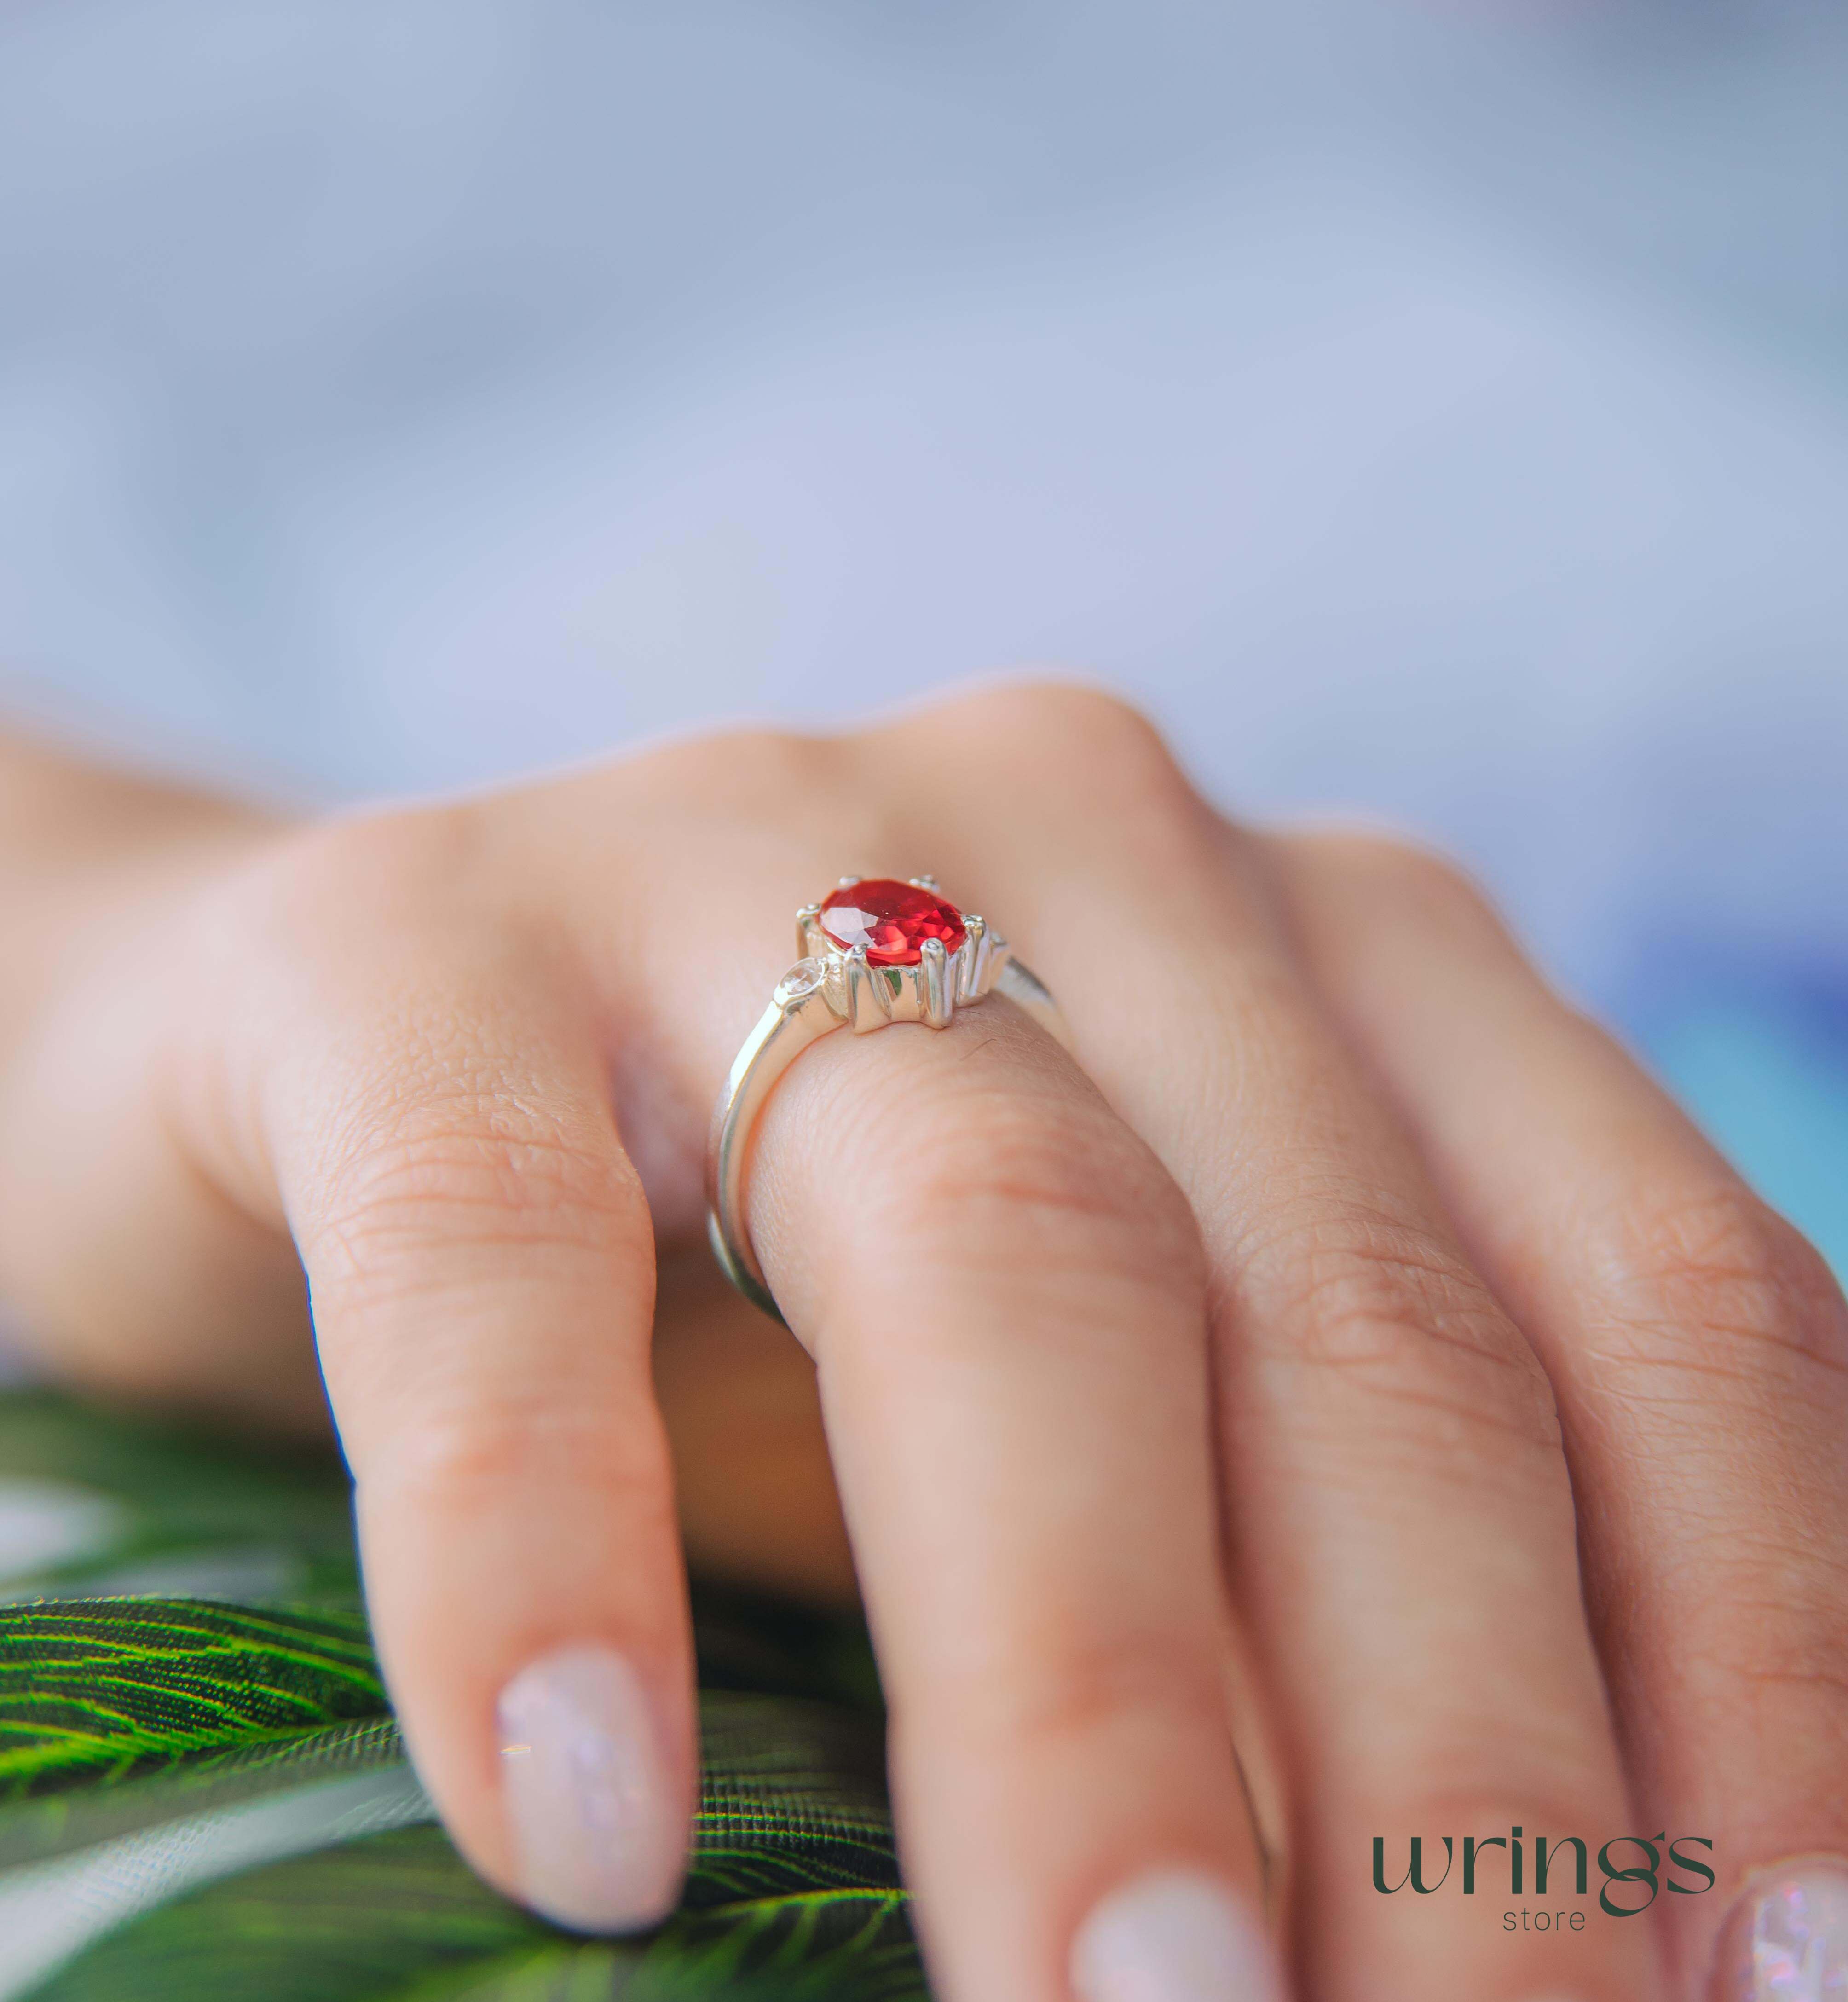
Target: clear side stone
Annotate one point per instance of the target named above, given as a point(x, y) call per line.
point(801, 980)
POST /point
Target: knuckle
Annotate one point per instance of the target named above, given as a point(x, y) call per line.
point(1066, 707)
point(336, 911)
point(796, 793)
point(751, 771)
point(1780, 1593)
point(352, 872)
point(1391, 1304)
point(1714, 1277)
point(1067, 1689)
point(1063, 1182)
point(742, 751)
point(1432, 884)
point(470, 1447)
point(1758, 1610)
point(465, 1170)
point(1801, 1672)
point(1080, 730)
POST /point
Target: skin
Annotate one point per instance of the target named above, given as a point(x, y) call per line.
point(1349, 1353)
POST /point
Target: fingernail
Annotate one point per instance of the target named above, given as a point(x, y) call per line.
point(1787, 1940)
point(1173, 1936)
point(599, 1827)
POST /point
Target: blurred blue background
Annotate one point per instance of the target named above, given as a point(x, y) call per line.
point(1439, 411)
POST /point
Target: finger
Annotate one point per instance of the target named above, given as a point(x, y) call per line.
point(1699, 1351)
point(428, 1097)
point(757, 1498)
point(165, 1289)
point(1400, 1519)
point(1004, 1292)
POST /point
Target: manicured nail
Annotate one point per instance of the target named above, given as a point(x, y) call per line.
point(1787, 1940)
point(598, 1825)
point(1173, 1936)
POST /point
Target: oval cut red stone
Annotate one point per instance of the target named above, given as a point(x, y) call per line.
point(892, 920)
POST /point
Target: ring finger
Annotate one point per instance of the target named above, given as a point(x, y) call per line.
point(1004, 1294)
point(1400, 1516)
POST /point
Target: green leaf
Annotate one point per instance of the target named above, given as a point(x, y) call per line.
point(97, 1690)
point(399, 1918)
point(793, 1892)
point(389, 1915)
point(81, 1816)
point(202, 1799)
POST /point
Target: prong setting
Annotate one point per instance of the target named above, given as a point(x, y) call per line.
point(868, 1007)
point(936, 997)
point(972, 958)
point(868, 994)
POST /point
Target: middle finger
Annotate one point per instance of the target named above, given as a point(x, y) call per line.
point(1003, 1290)
point(1400, 1520)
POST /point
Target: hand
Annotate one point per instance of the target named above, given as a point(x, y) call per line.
point(1350, 1318)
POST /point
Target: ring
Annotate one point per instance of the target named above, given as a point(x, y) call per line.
point(873, 953)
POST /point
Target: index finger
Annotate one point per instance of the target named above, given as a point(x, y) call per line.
point(425, 1098)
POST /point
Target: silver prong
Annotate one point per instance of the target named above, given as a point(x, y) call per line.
point(804, 918)
point(848, 882)
point(936, 993)
point(929, 883)
point(836, 989)
point(867, 1007)
point(972, 958)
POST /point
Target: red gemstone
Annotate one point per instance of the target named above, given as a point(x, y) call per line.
point(891, 920)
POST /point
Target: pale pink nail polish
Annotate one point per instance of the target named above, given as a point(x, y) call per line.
point(1787, 1940)
point(1173, 1936)
point(599, 1825)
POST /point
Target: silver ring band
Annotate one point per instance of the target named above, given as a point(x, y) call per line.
point(832, 986)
